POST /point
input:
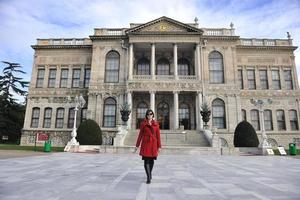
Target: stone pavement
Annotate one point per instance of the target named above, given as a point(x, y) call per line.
point(78, 176)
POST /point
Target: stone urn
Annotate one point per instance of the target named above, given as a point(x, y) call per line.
point(205, 113)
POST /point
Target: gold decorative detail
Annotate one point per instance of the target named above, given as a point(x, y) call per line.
point(163, 27)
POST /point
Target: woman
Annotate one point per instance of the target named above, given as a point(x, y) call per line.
point(149, 139)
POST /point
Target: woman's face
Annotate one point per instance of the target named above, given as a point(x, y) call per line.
point(150, 115)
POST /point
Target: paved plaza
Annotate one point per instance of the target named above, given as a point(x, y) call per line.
point(82, 176)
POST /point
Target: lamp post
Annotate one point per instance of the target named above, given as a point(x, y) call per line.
point(79, 103)
point(260, 103)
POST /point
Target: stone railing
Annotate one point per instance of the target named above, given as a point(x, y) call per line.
point(163, 77)
point(64, 41)
point(218, 32)
point(265, 42)
point(110, 32)
point(192, 77)
point(141, 77)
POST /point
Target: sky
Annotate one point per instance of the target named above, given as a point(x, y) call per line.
point(23, 21)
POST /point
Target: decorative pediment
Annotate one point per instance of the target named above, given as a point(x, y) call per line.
point(164, 25)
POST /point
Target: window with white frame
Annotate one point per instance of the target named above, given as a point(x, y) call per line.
point(218, 114)
point(143, 67)
point(64, 78)
point(110, 107)
point(288, 79)
point(163, 67)
point(240, 79)
point(183, 67)
point(76, 78)
point(52, 78)
point(268, 120)
point(47, 117)
point(59, 122)
point(251, 79)
point(216, 68)
point(112, 66)
point(280, 120)
point(244, 116)
point(71, 117)
point(264, 85)
point(87, 77)
point(254, 114)
point(276, 80)
point(40, 78)
point(35, 117)
point(293, 120)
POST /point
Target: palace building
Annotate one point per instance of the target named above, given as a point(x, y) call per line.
point(171, 67)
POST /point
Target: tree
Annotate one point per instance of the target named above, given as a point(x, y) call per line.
point(89, 133)
point(245, 135)
point(11, 112)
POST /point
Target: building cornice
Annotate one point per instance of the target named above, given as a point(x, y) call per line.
point(61, 46)
point(107, 37)
point(267, 47)
point(234, 38)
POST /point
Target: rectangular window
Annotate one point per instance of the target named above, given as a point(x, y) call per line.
point(263, 79)
point(255, 119)
point(60, 118)
point(276, 80)
point(47, 118)
point(87, 76)
point(71, 117)
point(293, 120)
point(244, 116)
point(35, 117)
point(52, 78)
point(40, 78)
point(251, 79)
point(280, 120)
point(240, 79)
point(64, 78)
point(76, 78)
point(268, 120)
point(288, 79)
point(83, 114)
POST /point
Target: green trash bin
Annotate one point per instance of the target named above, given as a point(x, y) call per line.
point(47, 146)
point(292, 149)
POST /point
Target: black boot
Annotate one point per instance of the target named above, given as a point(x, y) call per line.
point(151, 167)
point(148, 171)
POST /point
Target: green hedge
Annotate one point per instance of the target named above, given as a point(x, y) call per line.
point(89, 133)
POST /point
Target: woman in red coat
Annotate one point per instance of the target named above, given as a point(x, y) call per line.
point(149, 139)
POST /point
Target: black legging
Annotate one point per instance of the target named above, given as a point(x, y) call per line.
point(148, 165)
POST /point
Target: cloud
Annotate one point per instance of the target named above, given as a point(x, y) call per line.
point(22, 22)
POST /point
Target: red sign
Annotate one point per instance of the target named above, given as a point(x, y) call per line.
point(42, 137)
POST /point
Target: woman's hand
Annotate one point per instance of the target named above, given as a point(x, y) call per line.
point(135, 149)
point(158, 150)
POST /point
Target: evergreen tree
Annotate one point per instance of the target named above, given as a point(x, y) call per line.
point(11, 112)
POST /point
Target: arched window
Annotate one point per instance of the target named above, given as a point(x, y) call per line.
point(163, 113)
point(109, 119)
point(140, 113)
point(218, 114)
point(280, 120)
point(143, 67)
point(112, 66)
point(59, 122)
point(163, 67)
point(216, 68)
point(71, 117)
point(183, 67)
point(47, 117)
point(255, 119)
point(184, 115)
point(35, 117)
point(268, 120)
point(293, 120)
point(244, 116)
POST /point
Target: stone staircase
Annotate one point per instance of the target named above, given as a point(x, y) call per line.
point(187, 138)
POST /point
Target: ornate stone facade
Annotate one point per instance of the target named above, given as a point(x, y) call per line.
point(170, 67)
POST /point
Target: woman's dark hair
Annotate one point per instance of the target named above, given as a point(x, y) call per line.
point(149, 111)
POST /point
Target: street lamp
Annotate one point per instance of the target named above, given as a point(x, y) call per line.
point(79, 103)
point(260, 103)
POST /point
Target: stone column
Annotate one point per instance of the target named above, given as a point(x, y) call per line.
point(198, 65)
point(175, 61)
point(153, 61)
point(175, 110)
point(198, 115)
point(152, 100)
point(129, 101)
point(130, 61)
point(99, 109)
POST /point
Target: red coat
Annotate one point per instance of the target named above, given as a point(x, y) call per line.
point(149, 136)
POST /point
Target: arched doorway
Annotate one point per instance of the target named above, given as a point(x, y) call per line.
point(184, 116)
point(163, 113)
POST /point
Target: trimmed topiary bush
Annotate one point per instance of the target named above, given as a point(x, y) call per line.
point(245, 135)
point(89, 133)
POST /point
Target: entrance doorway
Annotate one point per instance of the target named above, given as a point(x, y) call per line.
point(163, 113)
